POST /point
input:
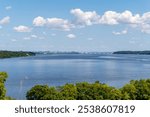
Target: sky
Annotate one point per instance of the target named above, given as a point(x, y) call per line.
point(74, 25)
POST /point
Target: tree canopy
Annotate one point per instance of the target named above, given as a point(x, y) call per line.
point(3, 77)
point(135, 90)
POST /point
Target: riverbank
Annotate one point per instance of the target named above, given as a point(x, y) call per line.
point(12, 54)
point(133, 52)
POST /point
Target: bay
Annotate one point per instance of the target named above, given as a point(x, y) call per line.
point(59, 69)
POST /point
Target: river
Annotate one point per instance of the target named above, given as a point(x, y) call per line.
point(59, 69)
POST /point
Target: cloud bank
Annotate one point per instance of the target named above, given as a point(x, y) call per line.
point(87, 18)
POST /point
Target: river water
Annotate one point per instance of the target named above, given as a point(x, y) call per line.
point(59, 69)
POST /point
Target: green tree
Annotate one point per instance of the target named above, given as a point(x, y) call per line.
point(52, 94)
point(37, 92)
point(137, 90)
point(142, 89)
point(68, 92)
point(83, 91)
point(129, 92)
point(3, 77)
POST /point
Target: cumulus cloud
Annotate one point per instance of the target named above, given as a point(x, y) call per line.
point(5, 20)
point(8, 7)
point(120, 33)
point(129, 18)
point(110, 18)
point(53, 23)
point(22, 28)
point(126, 17)
point(39, 21)
point(146, 17)
point(85, 18)
point(71, 36)
point(57, 23)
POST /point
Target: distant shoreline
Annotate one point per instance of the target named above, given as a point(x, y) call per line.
point(133, 52)
point(12, 54)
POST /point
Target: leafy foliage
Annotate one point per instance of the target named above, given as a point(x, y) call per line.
point(135, 90)
point(3, 77)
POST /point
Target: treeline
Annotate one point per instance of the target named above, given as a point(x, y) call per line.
point(10, 54)
point(3, 77)
point(133, 52)
point(135, 90)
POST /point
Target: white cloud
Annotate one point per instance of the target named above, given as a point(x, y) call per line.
point(71, 36)
point(34, 36)
point(129, 18)
point(53, 23)
point(5, 20)
point(120, 33)
point(39, 21)
point(146, 17)
point(126, 17)
point(22, 28)
point(8, 7)
point(110, 18)
point(145, 23)
point(59, 24)
point(85, 18)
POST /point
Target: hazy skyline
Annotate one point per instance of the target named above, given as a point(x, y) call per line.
point(74, 25)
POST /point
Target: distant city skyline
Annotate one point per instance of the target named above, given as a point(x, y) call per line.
point(74, 25)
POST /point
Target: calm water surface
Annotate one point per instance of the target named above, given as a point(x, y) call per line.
point(58, 69)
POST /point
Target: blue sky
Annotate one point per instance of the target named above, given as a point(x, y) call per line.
point(74, 25)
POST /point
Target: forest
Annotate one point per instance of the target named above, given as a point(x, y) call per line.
point(11, 54)
point(134, 90)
